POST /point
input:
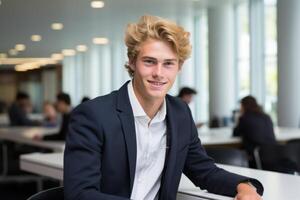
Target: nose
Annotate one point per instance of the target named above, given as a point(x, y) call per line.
point(157, 71)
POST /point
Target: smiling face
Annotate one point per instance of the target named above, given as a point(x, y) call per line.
point(155, 70)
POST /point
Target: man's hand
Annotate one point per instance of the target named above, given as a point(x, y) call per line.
point(246, 192)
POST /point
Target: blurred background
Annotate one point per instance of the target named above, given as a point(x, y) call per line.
point(76, 46)
point(56, 54)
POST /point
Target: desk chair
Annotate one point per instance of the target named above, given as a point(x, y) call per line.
point(279, 158)
point(228, 156)
point(56, 193)
point(294, 141)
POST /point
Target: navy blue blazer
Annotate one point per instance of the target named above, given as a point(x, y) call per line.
point(100, 154)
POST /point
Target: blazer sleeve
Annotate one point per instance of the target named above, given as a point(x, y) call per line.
point(203, 172)
point(82, 157)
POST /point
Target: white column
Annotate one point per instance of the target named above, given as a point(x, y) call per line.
point(68, 77)
point(94, 71)
point(78, 78)
point(257, 69)
point(221, 61)
point(288, 62)
point(105, 69)
point(85, 76)
point(200, 67)
point(118, 59)
point(186, 20)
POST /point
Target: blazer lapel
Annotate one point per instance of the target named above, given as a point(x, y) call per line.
point(170, 161)
point(127, 120)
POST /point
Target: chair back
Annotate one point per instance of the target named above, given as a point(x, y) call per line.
point(56, 193)
point(228, 156)
point(278, 157)
point(294, 141)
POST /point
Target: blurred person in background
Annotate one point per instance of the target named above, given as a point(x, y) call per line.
point(19, 110)
point(187, 94)
point(254, 126)
point(50, 115)
point(63, 106)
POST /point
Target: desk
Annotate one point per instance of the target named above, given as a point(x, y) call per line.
point(278, 186)
point(223, 136)
point(24, 135)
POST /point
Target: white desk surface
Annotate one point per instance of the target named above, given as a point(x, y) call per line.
point(25, 135)
point(216, 136)
point(4, 118)
point(277, 186)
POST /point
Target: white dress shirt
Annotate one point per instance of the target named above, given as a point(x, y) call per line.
point(151, 149)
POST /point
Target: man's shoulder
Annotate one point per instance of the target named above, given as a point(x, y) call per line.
point(100, 103)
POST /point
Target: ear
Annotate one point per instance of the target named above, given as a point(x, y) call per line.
point(131, 64)
point(180, 66)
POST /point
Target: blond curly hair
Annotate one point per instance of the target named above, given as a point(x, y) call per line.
point(152, 27)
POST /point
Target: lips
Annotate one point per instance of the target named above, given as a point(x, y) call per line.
point(157, 85)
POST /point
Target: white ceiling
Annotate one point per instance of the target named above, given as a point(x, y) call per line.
point(19, 19)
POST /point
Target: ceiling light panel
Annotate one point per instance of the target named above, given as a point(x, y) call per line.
point(57, 26)
point(36, 38)
point(97, 4)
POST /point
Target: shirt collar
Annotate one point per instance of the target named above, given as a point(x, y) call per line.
point(138, 110)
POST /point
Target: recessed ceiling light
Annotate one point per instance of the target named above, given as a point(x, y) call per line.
point(68, 52)
point(3, 55)
point(57, 26)
point(13, 52)
point(81, 48)
point(97, 4)
point(20, 47)
point(36, 38)
point(57, 56)
point(100, 40)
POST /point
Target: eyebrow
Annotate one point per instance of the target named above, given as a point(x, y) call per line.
point(152, 58)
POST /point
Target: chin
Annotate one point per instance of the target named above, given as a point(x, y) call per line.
point(157, 95)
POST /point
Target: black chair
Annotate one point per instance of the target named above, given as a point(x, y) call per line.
point(50, 194)
point(294, 141)
point(279, 158)
point(228, 156)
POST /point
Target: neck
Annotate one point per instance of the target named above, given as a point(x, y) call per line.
point(151, 107)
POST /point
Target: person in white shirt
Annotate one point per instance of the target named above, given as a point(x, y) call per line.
point(135, 143)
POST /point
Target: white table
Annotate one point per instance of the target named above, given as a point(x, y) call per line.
point(278, 186)
point(25, 135)
point(223, 136)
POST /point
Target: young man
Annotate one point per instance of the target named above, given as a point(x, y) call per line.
point(135, 142)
